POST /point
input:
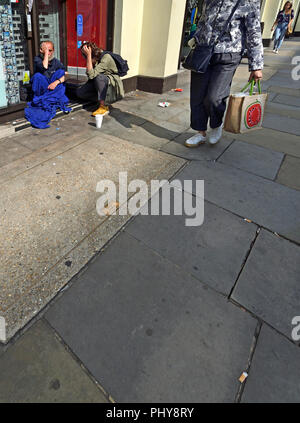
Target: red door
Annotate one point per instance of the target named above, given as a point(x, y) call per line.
point(93, 28)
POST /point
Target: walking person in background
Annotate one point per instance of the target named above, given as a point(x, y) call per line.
point(210, 90)
point(283, 23)
point(102, 74)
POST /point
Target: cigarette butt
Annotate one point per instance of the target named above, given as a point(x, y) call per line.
point(108, 210)
point(243, 377)
point(248, 220)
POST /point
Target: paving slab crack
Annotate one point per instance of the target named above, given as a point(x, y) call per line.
point(251, 355)
point(245, 261)
point(79, 362)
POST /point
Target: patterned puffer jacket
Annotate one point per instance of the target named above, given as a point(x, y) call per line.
point(244, 30)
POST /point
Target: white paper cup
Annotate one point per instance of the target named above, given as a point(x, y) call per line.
point(99, 120)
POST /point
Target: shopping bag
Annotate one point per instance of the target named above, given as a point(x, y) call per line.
point(245, 113)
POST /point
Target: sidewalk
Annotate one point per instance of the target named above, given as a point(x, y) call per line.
point(147, 309)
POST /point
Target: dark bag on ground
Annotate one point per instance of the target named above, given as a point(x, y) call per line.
point(121, 64)
point(26, 93)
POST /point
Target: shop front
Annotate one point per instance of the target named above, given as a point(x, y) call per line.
point(24, 24)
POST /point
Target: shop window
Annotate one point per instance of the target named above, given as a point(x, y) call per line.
point(192, 17)
point(49, 21)
point(13, 55)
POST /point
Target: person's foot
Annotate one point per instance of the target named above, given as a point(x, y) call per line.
point(215, 135)
point(103, 110)
point(195, 141)
point(276, 51)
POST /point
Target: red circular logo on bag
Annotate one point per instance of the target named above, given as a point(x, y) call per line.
point(253, 115)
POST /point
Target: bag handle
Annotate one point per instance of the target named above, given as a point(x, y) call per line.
point(253, 83)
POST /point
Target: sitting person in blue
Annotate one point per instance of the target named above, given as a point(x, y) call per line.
point(48, 88)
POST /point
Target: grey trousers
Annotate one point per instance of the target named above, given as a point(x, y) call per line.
point(210, 90)
point(94, 89)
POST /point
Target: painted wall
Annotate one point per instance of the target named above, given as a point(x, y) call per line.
point(148, 34)
point(128, 32)
point(175, 37)
point(297, 24)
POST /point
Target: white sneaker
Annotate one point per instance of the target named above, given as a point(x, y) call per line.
point(276, 51)
point(215, 135)
point(195, 141)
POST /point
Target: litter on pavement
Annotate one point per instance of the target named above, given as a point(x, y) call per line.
point(243, 377)
point(164, 104)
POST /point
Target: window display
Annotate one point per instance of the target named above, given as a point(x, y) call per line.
point(8, 66)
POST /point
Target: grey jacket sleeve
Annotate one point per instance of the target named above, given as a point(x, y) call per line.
point(254, 36)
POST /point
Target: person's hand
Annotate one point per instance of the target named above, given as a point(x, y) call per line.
point(257, 75)
point(87, 51)
point(45, 50)
point(53, 85)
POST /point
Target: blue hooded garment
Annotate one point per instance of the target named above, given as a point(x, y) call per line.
point(45, 102)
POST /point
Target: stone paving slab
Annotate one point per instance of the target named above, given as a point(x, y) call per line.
point(202, 153)
point(257, 160)
point(49, 218)
point(11, 150)
point(282, 123)
point(283, 90)
point(283, 110)
point(266, 203)
point(289, 174)
point(287, 99)
point(150, 109)
point(269, 283)
point(214, 252)
point(78, 126)
point(282, 80)
point(274, 140)
point(37, 369)
point(175, 128)
point(148, 135)
point(275, 371)
point(38, 157)
point(152, 333)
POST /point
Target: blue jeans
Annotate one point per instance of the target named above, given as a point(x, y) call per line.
point(94, 89)
point(280, 35)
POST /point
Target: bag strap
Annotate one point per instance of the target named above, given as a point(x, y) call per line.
point(252, 83)
point(228, 21)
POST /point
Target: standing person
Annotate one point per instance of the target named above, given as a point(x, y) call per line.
point(283, 23)
point(103, 74)
point(210, 90)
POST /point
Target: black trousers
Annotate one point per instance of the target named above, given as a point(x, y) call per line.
point(94, 89)
point(210, 90)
